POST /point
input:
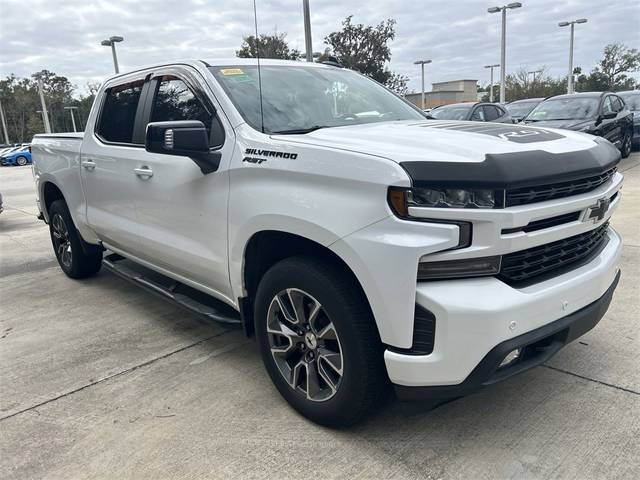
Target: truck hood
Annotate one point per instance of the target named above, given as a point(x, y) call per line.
point(442, 141)
point(472, 153)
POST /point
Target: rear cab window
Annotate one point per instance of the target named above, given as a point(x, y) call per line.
point(118, 113)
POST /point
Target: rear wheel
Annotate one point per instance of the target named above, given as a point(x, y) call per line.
point(319, 342)
point(625, 148)
point(76, 258)
point(22, 161)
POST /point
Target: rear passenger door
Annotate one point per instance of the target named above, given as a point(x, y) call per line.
point(109, 155)
point(182, 212)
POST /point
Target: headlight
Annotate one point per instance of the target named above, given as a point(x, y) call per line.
point(400, 199)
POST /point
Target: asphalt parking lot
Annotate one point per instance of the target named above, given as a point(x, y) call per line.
point(102, 380)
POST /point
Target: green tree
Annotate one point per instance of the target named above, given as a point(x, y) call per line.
point(612, 71)
point(269, 46)
point(365, 48)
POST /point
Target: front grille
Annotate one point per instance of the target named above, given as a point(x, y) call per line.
point(535, 263)
point(540, 193)
point(544, 223)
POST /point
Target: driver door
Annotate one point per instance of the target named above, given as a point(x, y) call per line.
point(182, 213)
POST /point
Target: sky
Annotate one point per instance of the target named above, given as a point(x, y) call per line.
point(459, 36)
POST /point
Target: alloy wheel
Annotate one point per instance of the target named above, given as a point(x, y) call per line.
point(305, 344)
point(21, 161)
point(61, 242)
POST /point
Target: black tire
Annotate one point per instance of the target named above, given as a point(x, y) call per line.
point(626, 147)
point(364, 382)
point(21, 161)
point(77, 258)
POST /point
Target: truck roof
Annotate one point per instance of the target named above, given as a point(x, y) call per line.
point(219, 62)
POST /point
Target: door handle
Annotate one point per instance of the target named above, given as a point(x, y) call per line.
point(143, 172)
point(88, 164)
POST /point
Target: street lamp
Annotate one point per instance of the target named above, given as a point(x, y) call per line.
point(570, 77)
point(503, 54)
point(422, 63)
point(73, 120)
point(491, 85)
point(111, 42)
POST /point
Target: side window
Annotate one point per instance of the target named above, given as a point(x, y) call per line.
point(175, 101)
point(119, 112)
point(607, 106)
point(478, 115)
point(491, 113)
point(617, 104)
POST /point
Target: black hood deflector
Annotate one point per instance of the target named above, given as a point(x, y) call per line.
point(516, 169)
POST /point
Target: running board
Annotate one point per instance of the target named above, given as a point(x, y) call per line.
point(182, 295)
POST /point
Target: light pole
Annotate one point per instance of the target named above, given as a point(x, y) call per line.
point(491, 85)
point(112, 43)
point(45, 114)
point(4, 125)
point(534, 73)
point(307, 30)
point(422, 63)
point(73, 120)
point(503, 51)
point(570, 77)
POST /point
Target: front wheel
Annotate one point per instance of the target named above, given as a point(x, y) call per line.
point(76, 258)
point(319, 342)
point(22, 161)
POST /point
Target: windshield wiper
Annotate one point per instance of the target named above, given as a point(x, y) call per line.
point(301, 131)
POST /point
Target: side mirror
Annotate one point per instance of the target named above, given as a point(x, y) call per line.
point(609, 115)
point(186, 138)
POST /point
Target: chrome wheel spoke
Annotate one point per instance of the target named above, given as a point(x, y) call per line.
point(313, 382)
point(328, 333)
point(332, 359)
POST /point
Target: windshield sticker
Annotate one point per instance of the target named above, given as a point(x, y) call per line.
point(231, 71)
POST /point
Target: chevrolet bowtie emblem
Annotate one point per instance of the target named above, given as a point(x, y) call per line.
point(598, 211)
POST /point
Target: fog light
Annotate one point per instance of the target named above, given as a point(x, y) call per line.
point(511, 357)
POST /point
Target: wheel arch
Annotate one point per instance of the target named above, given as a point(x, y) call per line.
point(266, 248)
point(50, 193)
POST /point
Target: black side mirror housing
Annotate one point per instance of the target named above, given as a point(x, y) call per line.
point(609, 115)
point(186, 138)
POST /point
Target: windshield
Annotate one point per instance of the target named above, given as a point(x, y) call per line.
point(301, 99)
point(632, 101)
point(459, 112)
point(565, 109)
point(520, 109)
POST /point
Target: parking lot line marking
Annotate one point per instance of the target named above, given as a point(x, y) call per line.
point(592, 380)
point(117, 374)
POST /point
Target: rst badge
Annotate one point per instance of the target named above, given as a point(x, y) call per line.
point(598, 211)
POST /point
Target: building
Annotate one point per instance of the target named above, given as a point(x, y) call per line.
point(442, 93)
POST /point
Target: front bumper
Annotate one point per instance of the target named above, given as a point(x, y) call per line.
point(536, 346)
point(476, 316)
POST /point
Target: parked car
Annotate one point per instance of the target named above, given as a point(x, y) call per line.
point(599, 113)
point(362, 245)
point(519, 109)
point(479, 112)
point(632, 102)
point(8, 149)
point(19, 156)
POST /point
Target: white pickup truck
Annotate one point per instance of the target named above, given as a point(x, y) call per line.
point(363, 245)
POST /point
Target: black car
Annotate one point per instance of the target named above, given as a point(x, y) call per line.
point(603, 114)
point(632, 101)
point(479, 112)
point(519, 109)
